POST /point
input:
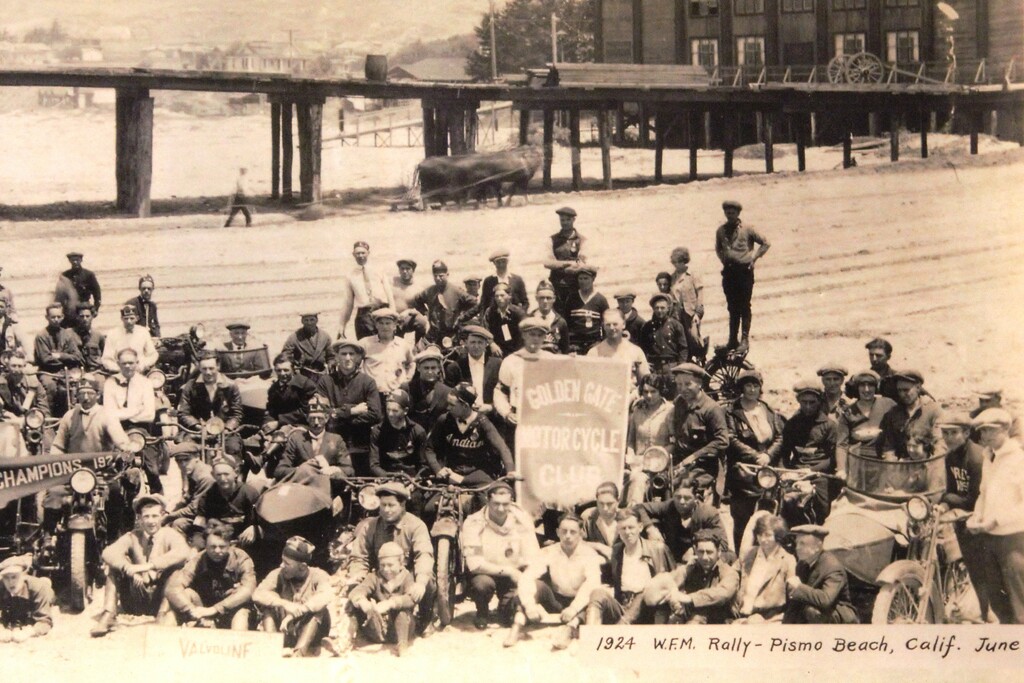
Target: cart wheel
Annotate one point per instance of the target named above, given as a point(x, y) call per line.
point(837, 69)
point(897, 602)
point(721, 382)
point(864, 67)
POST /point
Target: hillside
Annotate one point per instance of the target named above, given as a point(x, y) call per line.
point(378, 26)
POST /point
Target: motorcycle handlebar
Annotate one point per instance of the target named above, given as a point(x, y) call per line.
point(445, 485)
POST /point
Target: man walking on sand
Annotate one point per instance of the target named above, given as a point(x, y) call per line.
point(240, 201)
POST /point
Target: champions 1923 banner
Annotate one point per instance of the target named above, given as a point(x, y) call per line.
point(20, 477)
point(571, 435)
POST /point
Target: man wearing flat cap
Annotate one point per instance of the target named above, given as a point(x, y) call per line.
point(314, 450)
point(397, 444)
point(698, 424)
point(354, 400)
point(464, 446)
point(428, 395)
point(294, 598)
point(477, 366)
point(832, 377)
point(388, 357)
point(516, 285)
point(365, 290)
point(819, 592)
point(734, 244)
point(663, 340)
point(443, 303)
point(26, 602)
point(998, 518)
point(991, 396)
point(77, 285)
point(211, 394)
point(139, 564)
point(309, 346)
point(584, 309)
point(964, 463)
point(287, 396)
point(393, 523)
point(809, 442)
point(502, 319)
point(228, 500)
point(129, 335)
point(556, 338)
point(624, 299)
point(910, 430)
point(566, 246)
point(145, 307)
point(510, 376)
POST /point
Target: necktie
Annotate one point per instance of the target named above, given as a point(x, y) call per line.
point(367, 285)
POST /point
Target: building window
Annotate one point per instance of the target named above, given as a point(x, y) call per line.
point(704, 51)
point(797, 5)
point(703, 8)
point(748, 7)
point(849, 43)
point(902, 47)
point(901, 3)
point(750, 51)
point(848, 4)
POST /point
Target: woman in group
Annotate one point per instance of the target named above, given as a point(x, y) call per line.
point(859, 422)
point(650, 424)
point(764, 569)
point(754, 430)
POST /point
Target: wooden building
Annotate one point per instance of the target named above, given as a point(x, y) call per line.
point(756, 33)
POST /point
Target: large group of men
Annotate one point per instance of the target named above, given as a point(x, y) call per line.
point(430, 382)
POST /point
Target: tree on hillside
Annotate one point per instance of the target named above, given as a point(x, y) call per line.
point(54, 34)
point(522, 35)
point(454, 46)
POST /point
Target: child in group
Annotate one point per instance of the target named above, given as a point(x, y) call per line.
point(382, 604)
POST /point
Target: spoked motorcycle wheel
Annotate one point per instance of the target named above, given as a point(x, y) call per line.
point(446, 580)
point(80, 589)
point(898, 602)
point(721, 383)
point(959, 598)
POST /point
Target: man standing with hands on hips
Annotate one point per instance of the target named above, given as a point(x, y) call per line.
point(734, 244)
point(365, 291)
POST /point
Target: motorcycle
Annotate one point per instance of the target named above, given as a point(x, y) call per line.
point(930, 585)
point(37, 431)
point(449, 564)
point(69, 379)
point(69, 548)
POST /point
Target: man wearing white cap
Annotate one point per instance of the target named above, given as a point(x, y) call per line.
point(999, 517)
point(992, 397)
point(388, 358)
point(510, 375)
point(26, 602)
point(516, 285)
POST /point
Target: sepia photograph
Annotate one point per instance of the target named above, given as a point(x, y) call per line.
point(549, 340)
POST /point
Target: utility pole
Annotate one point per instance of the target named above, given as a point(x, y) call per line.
point(554, 38)
point(494, 48)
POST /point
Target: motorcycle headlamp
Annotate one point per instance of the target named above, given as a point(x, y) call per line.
point(368, 499)
point(767, 478)
point(214, 426)
point(655, 459)
point(82, 481)
point(198, 332)
point(136, 441)
point(157, 378)
point(918, 509)
point(34, 419)
point(447, 342)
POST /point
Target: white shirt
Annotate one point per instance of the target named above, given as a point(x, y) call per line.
point(572, 576)
point(388, 363)
point(510, 375)
point(1000, 503)
point(131, 400)
point(476, 373)
point(627, 352)
point(635, 572)
point(138, 339)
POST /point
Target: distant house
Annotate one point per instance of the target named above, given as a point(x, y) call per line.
point(266, 57)
point(27, 53)
point(445, 69)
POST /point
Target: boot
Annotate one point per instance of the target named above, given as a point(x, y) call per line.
point(403, 631)
point(516, 631)
point(593, 617)
point(744, 344)
point(104, 625)
point(734, 328)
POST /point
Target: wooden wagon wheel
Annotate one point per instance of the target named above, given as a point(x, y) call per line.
point(864, 67)
point(837, 69)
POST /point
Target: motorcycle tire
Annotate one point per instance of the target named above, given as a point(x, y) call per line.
point(897, 602)
point(446, 580)
point(78, 572)
point(722, 373)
